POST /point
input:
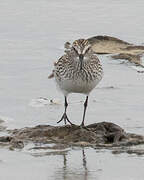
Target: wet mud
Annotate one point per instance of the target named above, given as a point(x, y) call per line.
point(118, 49)
point(130, 57)
point(97, 135)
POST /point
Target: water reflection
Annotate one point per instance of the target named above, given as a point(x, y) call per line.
point(71, 171)
point(85, 165)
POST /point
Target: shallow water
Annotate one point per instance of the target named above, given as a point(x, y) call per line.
point(32, 34)
point(76, 164)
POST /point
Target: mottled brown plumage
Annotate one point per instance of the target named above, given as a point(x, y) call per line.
point(78, 71)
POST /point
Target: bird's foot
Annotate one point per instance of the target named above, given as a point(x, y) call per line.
point(83, 126)
point(65, 118)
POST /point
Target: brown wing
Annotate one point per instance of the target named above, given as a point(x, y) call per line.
point(51, 75)
point(61, 61)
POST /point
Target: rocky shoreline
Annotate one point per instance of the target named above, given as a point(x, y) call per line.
point(98, 135)
point(118, 49)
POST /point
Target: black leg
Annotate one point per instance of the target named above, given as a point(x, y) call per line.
point(85, 107)
point(64, 116)
point(66, 105)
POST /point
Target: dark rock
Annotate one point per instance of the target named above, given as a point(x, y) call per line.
point(5, 139)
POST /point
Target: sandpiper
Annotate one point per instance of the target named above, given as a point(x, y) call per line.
point(77, 71)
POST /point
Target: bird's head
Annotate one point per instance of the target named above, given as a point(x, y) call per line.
point(81, 49)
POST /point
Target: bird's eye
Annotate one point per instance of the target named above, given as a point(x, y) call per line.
point(87, 50)
point(75, 50)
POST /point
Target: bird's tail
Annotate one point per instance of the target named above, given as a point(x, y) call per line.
point(51, 75)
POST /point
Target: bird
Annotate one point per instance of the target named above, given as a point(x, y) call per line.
point(78, 71)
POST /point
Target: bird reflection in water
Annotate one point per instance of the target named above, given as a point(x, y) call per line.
point(73, 173)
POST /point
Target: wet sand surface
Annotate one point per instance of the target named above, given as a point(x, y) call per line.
point(32, 35)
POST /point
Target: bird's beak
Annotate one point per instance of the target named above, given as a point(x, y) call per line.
point(81, 56)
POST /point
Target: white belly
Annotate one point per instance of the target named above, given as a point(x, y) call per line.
point(79, 86)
